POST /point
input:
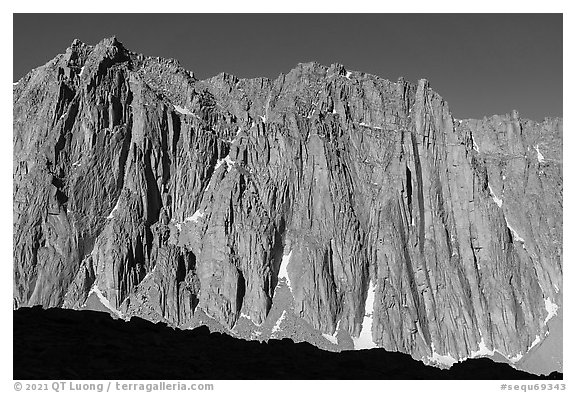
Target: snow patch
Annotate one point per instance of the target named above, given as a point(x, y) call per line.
point(111, 215)
point(81, 70)
point(194, 217)
point(105, 302)
point(494, 197)
point(516, 358)
point(227, 160)
point(446, 360)
point(482, 349)
point(534, 343)
point(176, 224)
point(348, 74)
point(515, 234)
point(283, 273)
point(370, 126)
point(556, 288)
point(364, 340)
point(540, 156)
point(474, 144)
point(263, 119)
point(198, 214)
point(332, 338)
point(279, 322)
point(551, 308)
point(182, 110)
point(15, 83)
point(77, 163)
point(250, 319)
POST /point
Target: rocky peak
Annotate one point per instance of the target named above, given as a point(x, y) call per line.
point(337, 69)
point(327, 205)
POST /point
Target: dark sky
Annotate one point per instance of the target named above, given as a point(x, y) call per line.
point(482, 64)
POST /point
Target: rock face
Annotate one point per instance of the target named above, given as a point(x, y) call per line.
point(355, 207)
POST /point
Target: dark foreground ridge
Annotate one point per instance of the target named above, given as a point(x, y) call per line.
point(67, 344)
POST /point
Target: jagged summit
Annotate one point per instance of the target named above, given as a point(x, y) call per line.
point(326, 205)
point(107, 44)
point(78, 51)
point(110, 49)
point(76, 43)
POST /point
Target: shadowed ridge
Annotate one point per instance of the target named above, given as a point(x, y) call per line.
point(66, 344)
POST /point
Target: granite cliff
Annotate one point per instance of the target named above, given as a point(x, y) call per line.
point(327, 205)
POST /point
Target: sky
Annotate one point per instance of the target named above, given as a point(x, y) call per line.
point(482, 64)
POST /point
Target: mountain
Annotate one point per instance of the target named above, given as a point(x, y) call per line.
point(327, 206)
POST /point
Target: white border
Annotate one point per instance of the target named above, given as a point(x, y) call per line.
point(420, 6)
